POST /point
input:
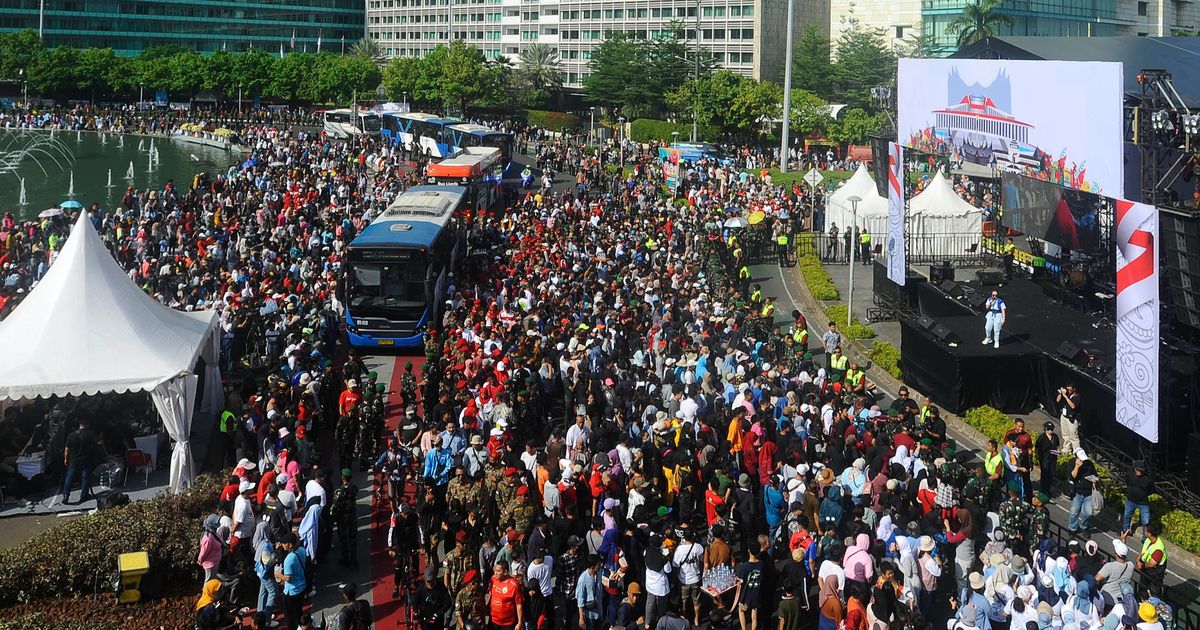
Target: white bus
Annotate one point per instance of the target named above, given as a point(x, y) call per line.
point(341, 123)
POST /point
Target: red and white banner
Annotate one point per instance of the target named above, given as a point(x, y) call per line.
point(1137, 317)
point(896, 265)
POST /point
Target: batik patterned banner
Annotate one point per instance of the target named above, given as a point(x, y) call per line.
point(1137, 318)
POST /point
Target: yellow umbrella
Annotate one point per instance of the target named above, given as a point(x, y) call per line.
point(757, 217)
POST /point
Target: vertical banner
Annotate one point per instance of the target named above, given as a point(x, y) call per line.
point(897, 267)
point(1137, 317)
point(670, 166)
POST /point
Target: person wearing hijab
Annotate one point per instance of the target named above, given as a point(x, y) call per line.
point(885, 531)
point(906, 564)
point(902, 458)
point(536, 609)
point(998, 591)
point(208, 613)
point(1022, 609)
point(1087, 613)
point(832, 611)
point(859, 564)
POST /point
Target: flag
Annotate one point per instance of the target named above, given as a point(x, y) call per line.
point(897, 266)
point(318, 43)
point(293, 39)
point(1137, 317)
point(281, 50)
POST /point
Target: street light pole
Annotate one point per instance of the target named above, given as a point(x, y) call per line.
point(696, 104)
point(787, 92)
point(24, 89)
point(41, 19)
point(239, 100)
point(592, 126)
point(141, 94)
point(853, 245)
point(621, 145)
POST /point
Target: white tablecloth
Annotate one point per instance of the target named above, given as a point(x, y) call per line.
point(32, 466)
point(150, 444)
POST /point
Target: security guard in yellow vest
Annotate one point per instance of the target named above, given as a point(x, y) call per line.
point(781, 243)
point(744, 280)
point(227, 445)
point(1010, 252)
point(1152, 562)
point(800, 337)
point(768, 309)
point(838, 363)
point(756, 297)
point(856, 379)
point(864, 241)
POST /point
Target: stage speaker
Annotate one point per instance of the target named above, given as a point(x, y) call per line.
point(925, 322)
point(1193, 462)
point(979, 300)
point(951, 288)
point(943, 334)
point(941, 273)
point(1072, 352)
point(989, 278)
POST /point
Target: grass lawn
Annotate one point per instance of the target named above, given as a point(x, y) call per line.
point(782, 179)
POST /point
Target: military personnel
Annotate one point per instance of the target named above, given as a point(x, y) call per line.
point(978, 487)
point(366, 433)
point(470, 605)
point(408, 385)
point(457, 562)
point(343, 510)
point(1039, 518)
point(346, 433)
point(460, 487)
point(523, 512)
point(506, 493)
point(1013, 521)
point(952, 471)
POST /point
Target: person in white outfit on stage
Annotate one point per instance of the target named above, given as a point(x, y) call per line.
point(996, 314)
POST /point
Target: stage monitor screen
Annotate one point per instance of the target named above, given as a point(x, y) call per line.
point(1059, 121)
point(1063, 218)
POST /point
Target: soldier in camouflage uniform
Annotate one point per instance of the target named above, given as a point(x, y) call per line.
point(979, 488)
point(505, 495)
point(366, 427)
point(1013, 521)
point(457, 562)
point(523, 512)
point(460, 487)
point(952, 471)
point(345, 434)
point(1039, 518)
point(470, 605)
point(343, 510)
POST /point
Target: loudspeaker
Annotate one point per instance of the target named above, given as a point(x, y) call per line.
point(1072, 352)
point(979, 300)
point(989, 278)
point(951, 288)
point(941, 273)
point(1193, 462)
point(925, 322)
point(942, 333)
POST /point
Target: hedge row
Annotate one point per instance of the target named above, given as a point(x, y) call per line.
point(651, 130)
point(856, 330)
point(72, 557)
point(817, 279)
point(1178, 526)
point(886, 356)
point(552, 121)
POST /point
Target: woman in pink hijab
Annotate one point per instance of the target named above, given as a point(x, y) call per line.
point(858, 562)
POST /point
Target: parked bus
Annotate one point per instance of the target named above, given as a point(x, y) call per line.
point(694, 152)
point(466, 135)
point(396, 269)
point(341, 123)
point(418, 131)
point(478, 169)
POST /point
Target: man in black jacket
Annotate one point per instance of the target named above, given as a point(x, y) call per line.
point(1046, 449)
point(1139, 485)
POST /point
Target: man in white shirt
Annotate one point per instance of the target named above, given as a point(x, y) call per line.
point(542, 568)
point(578, 437)
point(243, 513)
point(658, 588)
point(689, 557)
point(314, 488)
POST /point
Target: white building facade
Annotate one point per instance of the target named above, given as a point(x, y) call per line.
point(746, 36)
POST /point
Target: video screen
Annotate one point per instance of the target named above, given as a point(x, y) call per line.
point(1064, 217)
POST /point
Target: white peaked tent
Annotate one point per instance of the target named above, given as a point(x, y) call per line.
point(872, 210)
point(88, 329)
point(939, 221)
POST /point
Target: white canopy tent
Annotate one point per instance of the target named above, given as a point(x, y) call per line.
point(86, 328)
point(872, 210)
point(940, 222)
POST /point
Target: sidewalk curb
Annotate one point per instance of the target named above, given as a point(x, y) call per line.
point(963, 433)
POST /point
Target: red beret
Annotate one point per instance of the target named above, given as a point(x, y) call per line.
point(522, 491)
point(510, 472)
point(461, 537)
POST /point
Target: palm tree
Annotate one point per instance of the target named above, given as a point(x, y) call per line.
point(369, 48)
point(540, 67)
point(978, 21)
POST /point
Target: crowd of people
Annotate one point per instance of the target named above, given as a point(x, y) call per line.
point(610, 429)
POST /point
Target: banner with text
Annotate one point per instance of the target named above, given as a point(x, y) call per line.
point(670, 166)
point(1137, 317)
point(897, 267)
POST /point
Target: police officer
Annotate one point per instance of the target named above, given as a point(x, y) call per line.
point(343, 510)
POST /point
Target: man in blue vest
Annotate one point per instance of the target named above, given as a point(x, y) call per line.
point(996, 314)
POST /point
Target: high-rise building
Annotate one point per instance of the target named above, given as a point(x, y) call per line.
point(746, 36)
point(129, 26)
point(903, 20)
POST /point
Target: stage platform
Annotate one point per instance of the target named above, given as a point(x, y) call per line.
point(47, 500)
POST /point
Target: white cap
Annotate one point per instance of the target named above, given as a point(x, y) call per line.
point(246, 486)
point(246, 464)
point(1081, 454)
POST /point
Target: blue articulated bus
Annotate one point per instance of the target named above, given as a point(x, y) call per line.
point(416, 131)
point(464, 135)
point(394, 278)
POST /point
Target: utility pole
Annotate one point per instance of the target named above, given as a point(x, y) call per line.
point(42, 20)
point(787, 93)
point(853, 246)
point(696, 105)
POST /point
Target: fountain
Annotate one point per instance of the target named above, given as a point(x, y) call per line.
point(71, 187)
point(121, 141)
point(129, 173)
point(152, 145)
point(78, 136)
point(142, 144)
point(22, 199)
point(110, 185)
point(150, 163)
point(103, 138)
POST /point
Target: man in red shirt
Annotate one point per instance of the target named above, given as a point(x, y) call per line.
point(714, 505)
point(504, 599)
point(350, 398)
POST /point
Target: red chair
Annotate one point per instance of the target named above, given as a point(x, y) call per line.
point(138, 459)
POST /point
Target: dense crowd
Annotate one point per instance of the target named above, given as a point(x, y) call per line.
point(610, 430)
point(132, 119)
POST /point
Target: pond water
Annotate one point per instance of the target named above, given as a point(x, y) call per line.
point(98, 164)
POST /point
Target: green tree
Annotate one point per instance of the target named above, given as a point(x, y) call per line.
point(979, 20)
point(725, 103)
point(220, 73)
point(369, 48)
point(463, 75)
point(289, 74)
point(864, 61)
point(356, 74)
point(19, 51)
point(755, 102)
point(617, 75)
point(812, 68)
point(854, 125)
point(404, 75)
point(810, 114)
point(55, 72)
point(253, 69)
point(673, 61)
point(540, 70)
point(95, 68)
point(186, 72)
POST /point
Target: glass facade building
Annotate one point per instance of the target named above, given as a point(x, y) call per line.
point(1046, 18)
point(129, 26)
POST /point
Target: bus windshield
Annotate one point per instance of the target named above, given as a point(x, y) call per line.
point(371, 123)
point(393, 289)
point(502, 141)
